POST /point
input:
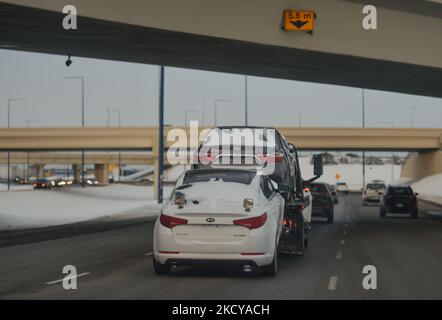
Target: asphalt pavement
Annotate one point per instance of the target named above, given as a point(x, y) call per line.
point(117, 264)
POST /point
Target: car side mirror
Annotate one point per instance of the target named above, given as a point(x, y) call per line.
point(318, 168)
point(416, 194)
point(291, 148)
point(275, 185)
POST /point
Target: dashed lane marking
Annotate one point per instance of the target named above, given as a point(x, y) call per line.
point(68, 278)
point(333, 283)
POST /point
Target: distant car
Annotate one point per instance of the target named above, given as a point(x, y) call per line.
point(92, 182)
point(342, 187)
point(372, 192)
point(323, 204)
point(333, 193)
point(399, 199)
point(42, 184)
point(214, 216)
point(58, 183)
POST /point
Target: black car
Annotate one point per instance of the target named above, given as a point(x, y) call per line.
point(42, 184)
point(323, 203)
point(399, 199)
point(282, 156)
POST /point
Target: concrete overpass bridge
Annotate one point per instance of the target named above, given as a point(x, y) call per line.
point(146, 138)
point(245, 37)
point(428, 142)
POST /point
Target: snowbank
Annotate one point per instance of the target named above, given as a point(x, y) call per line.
point(429, 188)
point(30, 209)
point(352, 173)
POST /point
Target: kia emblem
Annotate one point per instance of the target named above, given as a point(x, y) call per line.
point(210, 220)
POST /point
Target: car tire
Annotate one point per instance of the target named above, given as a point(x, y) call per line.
point(331, 216)
point(382, 213)
point(413, 214)
point(160, 268)
point(364, 203)
point(306, 243)
point(272, 269)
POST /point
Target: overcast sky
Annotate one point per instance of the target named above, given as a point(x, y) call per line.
point(49, 100)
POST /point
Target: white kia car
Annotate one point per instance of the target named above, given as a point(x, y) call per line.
point(228, 216)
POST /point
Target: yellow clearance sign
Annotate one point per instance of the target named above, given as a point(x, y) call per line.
point(299, 20)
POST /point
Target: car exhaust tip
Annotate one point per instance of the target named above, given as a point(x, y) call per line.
point(247, 268)
point(173, 265)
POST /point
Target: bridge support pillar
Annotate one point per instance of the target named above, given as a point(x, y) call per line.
point(39, 171)
point(102, 173)
point(76, 172)
point(423, 165)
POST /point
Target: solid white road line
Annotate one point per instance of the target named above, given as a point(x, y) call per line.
point(332, 283)
point(69, 278)
point(339, 256)
point(148, 254)
point(342, 241)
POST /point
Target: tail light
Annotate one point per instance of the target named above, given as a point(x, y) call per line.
point(35, 184)
point(204, 158)
point(271, 158)
point(252, 223)
point(290, 223)
point(170, 222)
point(306, 189)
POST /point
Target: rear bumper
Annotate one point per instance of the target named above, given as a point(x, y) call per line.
point(407, 209)
point(192, 259)
point(321, 212)
point(371, 199)
point(169, 248)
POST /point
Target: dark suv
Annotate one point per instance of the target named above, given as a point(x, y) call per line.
point(399, 199)
point(323, 203)
point(252, 153)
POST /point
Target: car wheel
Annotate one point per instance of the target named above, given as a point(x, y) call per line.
point(414, 214)
point(364, 204)
point(160, 268)
point(272, 269)
point(382, 213)
point(331, 215)
point(306, 243)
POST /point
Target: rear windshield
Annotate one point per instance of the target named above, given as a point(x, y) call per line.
point(243, 177)
point(318, 188)
point(400, 191)
point(375, 186)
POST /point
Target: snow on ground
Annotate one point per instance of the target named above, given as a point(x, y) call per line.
point(30, 209)
point(4, 187)
point(352, 173)
point(429, 188)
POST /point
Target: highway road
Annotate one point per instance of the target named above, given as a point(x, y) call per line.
point(116, 264)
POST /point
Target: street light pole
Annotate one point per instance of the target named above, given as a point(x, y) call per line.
point(82, 124)
point(216, 109)
point(412, 116)
point(363, 126)
point(186, 114)
point(9, 126)
point(161, 138)
point(29, 122)
point(246, 100)
point(109, 110)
